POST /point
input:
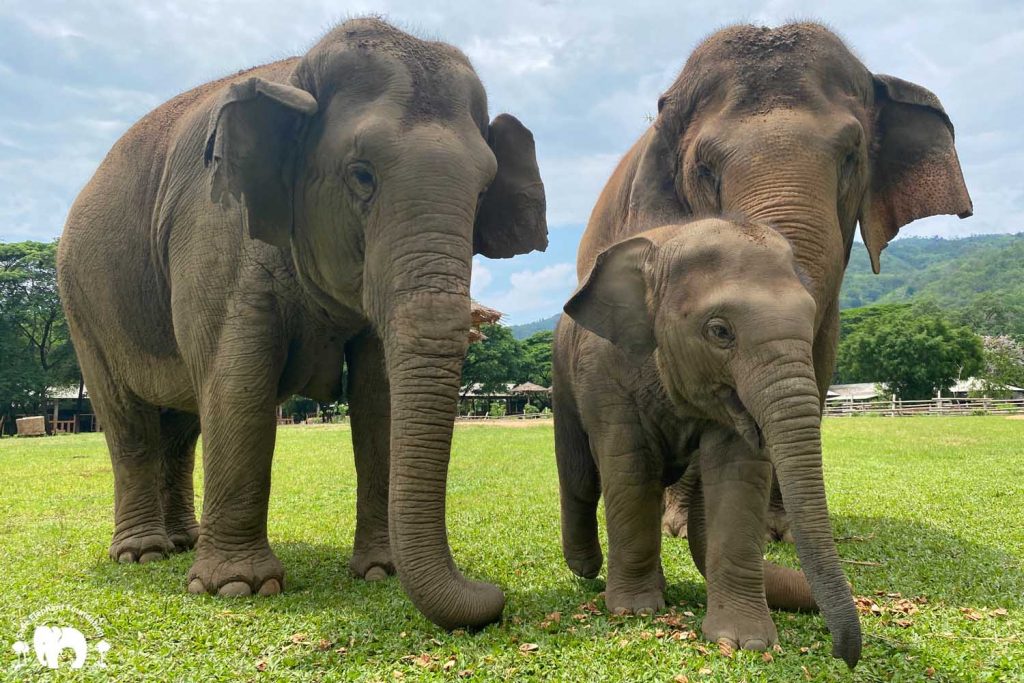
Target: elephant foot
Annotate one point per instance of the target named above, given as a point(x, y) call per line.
point(184, 538)
point(642, 598)
point(644, 603)
point(739, 631)
point(778, 526)
point(236, 573)
point(372, 565)
point(585, 565)
point(673, 521)
point(141, 547)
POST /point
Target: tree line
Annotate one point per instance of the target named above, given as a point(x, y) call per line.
point(913, 349)
point(35, 349)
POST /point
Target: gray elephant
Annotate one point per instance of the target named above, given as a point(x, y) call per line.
point(786, 125)
point(245, 238)
point(687, 339)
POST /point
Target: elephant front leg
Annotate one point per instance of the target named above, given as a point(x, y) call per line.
point(632, 498)
point(734, 486)
point(370, 411)
point(233, 555)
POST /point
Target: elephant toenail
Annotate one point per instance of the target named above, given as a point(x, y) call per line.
point(270, 587)
point(127, 557)
point(375, 573)
point(235, 589)
point(755, 644)
point(196, 586)
point(151, 556)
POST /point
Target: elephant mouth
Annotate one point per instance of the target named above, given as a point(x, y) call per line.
point(745, 424)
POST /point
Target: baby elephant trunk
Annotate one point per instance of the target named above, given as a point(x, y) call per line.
point(784, 402)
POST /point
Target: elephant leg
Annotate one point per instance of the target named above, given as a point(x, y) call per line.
point(778, 519)
point(632, 498)
point(233, 555)
point(131, 429)
point(677, 502)
point(734, 483)
point(580, 490)
point(784, 588)
point(178, 435)
point(370, 411)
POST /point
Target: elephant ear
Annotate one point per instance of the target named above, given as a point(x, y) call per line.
point(612, 303)
point(250, 150)
point(915, 172)
point(652, 194)
point(512, 216)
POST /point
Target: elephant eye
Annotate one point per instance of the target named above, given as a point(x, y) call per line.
point(360, 179)
point(709, 184)
point(719, 333)
point(848, 169)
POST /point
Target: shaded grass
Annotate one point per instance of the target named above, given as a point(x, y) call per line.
point(936, 502)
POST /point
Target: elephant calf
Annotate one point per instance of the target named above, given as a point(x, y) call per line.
point(697, 339)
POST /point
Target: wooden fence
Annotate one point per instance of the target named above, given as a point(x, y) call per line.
point(935, 406)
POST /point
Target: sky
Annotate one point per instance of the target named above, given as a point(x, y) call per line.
point(583, 76)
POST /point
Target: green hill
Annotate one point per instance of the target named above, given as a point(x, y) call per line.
point(529, 329)
point(979, 280)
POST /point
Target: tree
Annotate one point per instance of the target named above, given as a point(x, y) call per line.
point(493, 362)
point(1003, 365)
point(537, 357)
point(34, 340)
point(913, 352)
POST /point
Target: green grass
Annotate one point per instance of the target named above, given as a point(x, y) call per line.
point(936, 502)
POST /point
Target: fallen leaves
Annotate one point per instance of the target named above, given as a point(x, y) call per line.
point(551, 619)
point(528, 648)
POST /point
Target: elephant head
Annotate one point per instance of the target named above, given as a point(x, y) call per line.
point(726, 312)
point(375, 165)
point(786, 125)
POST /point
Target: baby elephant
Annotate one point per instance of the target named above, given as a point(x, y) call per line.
point(692, 344)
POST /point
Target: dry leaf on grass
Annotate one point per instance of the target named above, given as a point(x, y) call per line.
point(971, 614)
point(767, 658)
point(930, 671)
point(681, 678)
point(725, 649)
point(529, 647)
point(261, 665)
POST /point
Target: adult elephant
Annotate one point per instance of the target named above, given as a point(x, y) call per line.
point(786, 126)
point(240, 241)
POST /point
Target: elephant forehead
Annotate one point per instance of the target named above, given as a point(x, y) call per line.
point(440, 81)
point(766, 68)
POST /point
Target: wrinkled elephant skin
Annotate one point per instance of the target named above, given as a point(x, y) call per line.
point(244, 239)
point(690, 343)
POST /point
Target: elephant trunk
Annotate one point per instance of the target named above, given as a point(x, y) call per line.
point(422, 307)
point(784, 402)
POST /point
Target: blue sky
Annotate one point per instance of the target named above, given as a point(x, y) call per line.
point(582, 75)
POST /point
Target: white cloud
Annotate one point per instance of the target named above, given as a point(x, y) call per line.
point(534, 294)
point(481, 278)
point(580, 76)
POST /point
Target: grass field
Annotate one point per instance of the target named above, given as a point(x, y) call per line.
point(932, 507)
